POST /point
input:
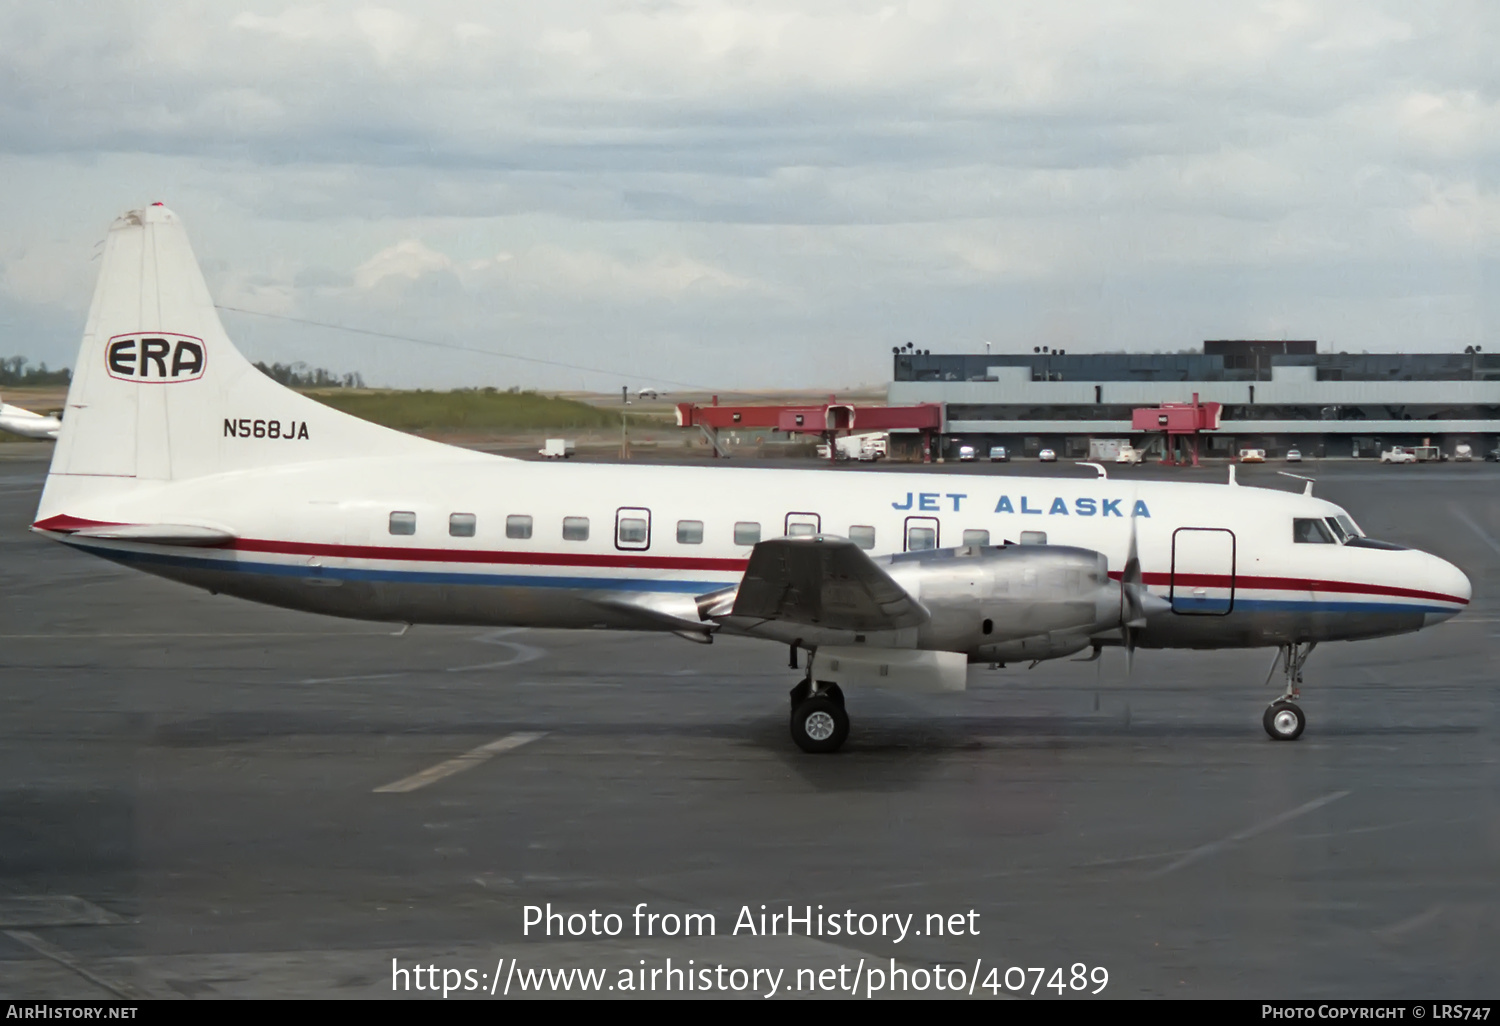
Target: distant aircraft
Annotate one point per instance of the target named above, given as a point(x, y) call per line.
point(648, 393)
point(24, 422)
point(179, 458)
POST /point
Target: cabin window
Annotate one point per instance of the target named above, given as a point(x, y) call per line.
point(976, 537)
point(1311, 530)
point(518, 525)
point(920, 539)
point(746, 532)
point(862, 536)
point(1033, 537)
point(575, 528)
point(403, 522)
point(461, 525)
point(689, 532)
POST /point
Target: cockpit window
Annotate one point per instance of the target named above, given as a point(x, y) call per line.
point(1309, 529)
point(1349, 526)
point(1338, 529)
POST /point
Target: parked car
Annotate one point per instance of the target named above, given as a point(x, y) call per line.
point(966, 452)
point(1397, 454)
point(1130, 454)
point(1294, 455)
point(998, 454)
point(1047, 456)
point(1493, 456)
point(1463, 452)
point(1252, 455)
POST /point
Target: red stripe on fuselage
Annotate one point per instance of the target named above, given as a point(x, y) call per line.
point(63, 522)
point(1249, 582)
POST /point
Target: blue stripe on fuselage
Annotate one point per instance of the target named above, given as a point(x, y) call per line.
point(1202, 606)
point(403, 576)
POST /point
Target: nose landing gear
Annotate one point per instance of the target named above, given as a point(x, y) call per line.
point(1283, 719)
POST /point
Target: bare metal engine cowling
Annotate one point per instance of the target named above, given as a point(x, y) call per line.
point(1012, 602)
point(989, 603)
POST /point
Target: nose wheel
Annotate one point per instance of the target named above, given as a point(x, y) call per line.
point(1284, 720)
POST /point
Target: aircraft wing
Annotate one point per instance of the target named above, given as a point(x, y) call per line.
point(824, 581)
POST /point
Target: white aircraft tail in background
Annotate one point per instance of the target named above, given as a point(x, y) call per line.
point(30, 425)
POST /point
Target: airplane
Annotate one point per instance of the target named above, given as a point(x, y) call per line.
point(648, 393)
point(177, 457)
point(24, 422)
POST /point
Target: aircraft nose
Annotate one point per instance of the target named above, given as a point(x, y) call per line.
point(1452, 584)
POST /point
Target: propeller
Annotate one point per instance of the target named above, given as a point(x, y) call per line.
point(1132, 600)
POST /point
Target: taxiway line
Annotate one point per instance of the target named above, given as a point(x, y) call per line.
point(459, 763)
point(1204, 850)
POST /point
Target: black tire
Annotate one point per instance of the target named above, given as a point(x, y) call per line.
point(834, 693)
point(819, 725)
point(1283, 721)
point(801, 692)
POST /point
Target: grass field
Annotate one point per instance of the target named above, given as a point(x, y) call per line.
point(468, 410)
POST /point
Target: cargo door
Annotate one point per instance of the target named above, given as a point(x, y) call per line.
point(1202, 571)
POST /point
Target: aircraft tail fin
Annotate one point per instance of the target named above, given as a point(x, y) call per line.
point(159, 393)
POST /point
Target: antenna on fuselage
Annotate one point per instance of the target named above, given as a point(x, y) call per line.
point(1299, 477)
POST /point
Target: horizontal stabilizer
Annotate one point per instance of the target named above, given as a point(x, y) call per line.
point(159, 534)
point(824, 581)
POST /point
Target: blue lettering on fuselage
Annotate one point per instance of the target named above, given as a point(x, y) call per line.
point(1084, 506)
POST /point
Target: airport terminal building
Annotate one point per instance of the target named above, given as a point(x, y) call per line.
point(1276, 395)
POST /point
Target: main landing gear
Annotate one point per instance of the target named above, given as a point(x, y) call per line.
point(819, 722)
point(1284, 720)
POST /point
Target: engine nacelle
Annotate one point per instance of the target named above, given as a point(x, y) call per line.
point(1010, 602)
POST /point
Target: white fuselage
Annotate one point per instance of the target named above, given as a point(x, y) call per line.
point(319, 536)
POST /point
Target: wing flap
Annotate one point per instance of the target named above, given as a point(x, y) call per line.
point(823, 581)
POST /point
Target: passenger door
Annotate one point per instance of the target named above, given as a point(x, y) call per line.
point(1203, 570)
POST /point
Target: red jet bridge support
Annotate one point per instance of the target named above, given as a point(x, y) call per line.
point(1178, 423)
point(827, 421)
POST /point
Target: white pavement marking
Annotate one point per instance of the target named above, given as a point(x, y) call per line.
point(1204, 850)
point(119, 988)
point(1471, 525)
point(458, 764)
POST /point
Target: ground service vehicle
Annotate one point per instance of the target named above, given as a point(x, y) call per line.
point(999, 455)
point(1463, 452)
point(557, 448)
point(1397, 454)
point(1252, 455)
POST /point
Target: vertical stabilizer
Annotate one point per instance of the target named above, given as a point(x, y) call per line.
point(159, 393)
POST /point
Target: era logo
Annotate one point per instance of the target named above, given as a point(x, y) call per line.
point(158, 358)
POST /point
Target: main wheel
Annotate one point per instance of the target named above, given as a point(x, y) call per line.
point(800, 692)
point(819, 725)
point(1284, 721)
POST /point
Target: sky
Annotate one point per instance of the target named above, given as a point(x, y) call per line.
point(760, 195)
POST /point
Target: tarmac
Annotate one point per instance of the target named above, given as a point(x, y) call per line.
point(200, 797)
